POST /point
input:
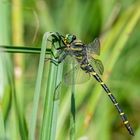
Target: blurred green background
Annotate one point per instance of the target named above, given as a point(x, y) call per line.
point(115, 22)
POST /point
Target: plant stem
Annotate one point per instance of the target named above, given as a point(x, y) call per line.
point(38, 87)
point(21, 49)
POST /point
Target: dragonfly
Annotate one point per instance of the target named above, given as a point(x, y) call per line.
point(82, 54)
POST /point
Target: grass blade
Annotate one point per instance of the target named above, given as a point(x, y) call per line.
point(2, 128)
point(22, 49)
point(38, 87)
point(72, 115)
point(56, 102)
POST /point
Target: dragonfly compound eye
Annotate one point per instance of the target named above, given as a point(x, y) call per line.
point(69, 38)
point(74, 37)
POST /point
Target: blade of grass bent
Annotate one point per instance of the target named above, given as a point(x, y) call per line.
point(48, 107)
point(38, 87)
point(48, 129)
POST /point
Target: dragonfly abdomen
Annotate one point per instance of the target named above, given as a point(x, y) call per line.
point(88, 68)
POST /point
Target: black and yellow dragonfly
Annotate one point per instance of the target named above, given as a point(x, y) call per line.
point(81, 52)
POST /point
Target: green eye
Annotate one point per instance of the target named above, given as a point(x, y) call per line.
point(70, 38)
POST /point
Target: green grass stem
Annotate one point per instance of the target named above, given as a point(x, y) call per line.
point(72, 114)
point(4, 39)
point(2, 127)
point(21, 49)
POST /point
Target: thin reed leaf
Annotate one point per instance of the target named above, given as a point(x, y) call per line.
point(2, 127)
point(72, 114)
point(56, 102)
point(17, 38)
point(22, 49)
point(4, 39)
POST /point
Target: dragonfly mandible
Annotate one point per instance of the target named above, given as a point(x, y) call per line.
point(81, 52)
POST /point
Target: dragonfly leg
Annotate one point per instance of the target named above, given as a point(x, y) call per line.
point(62, 47)
point(58, 38)
point(57, 61)
point(61, 37)
point(49, 40)
point(52, 60)
point(56, 56)
point(57, 91)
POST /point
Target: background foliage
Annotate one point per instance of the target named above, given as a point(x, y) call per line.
point(116, 23)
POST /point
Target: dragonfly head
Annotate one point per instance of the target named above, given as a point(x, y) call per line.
point(69, 38)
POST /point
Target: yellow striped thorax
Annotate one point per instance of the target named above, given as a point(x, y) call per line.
point(76, 45)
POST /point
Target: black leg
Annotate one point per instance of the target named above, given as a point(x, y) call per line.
point(59, 60)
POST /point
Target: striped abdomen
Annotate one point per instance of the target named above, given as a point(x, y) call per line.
point(88, 68)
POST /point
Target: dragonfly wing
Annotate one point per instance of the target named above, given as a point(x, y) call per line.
point(94, 47)
point(97, 65)
point(76, 76)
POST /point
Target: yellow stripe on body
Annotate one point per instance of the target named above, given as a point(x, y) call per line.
point(102, 83)
point(87, 64)
point(122, 113)
point(76, 49)
point(125, 122)
point(93, 73)
point(79, 57)
point(78, 43)
point(109, 93)
point(65, 40)
point(83, 65)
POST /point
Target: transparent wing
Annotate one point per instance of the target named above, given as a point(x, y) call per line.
point(76, 76)
point(94, 47)
point(97, 65)
point(73, 74)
